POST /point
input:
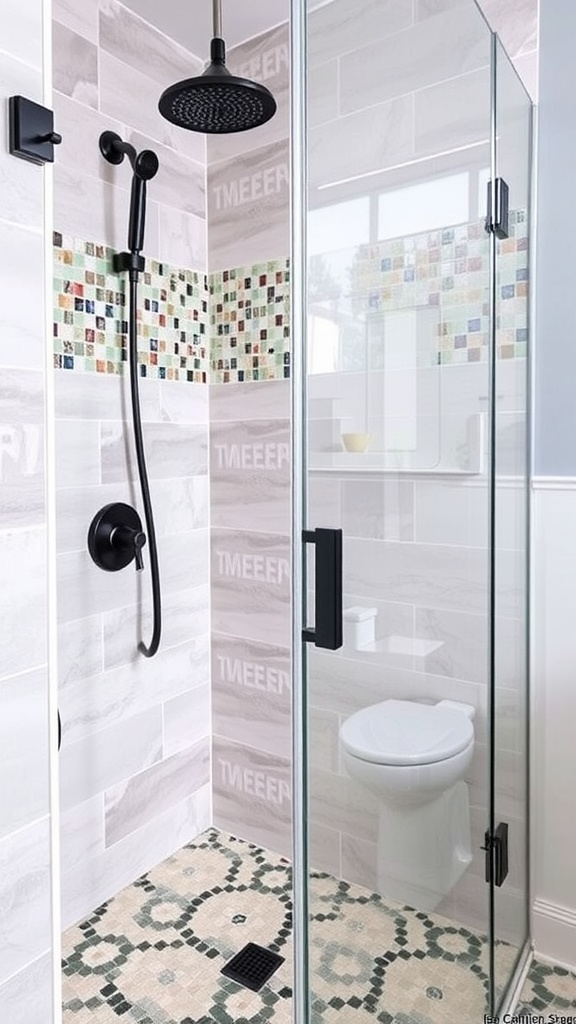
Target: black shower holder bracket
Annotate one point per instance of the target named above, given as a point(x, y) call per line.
point(31, 136)
point(116, 538)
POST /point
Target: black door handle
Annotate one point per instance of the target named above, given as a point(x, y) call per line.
point(327, 632)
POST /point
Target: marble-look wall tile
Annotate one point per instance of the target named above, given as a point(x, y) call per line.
point(324, 849)
point(324, 502)
point(180, 505)
point(527, 68)
point(21, 261)
point(186, 615)
point(79, 152)
point(365, 141)
point(22, 192)
point(82, 833)
point(510, 788)
point(22, 448)
point(75, 63)
point(443, 47)
point(255, 400)
point(131, 39)
point(81, 18)
point(24, 746)
point(77, 453)
point(24, 897)
point(453, 113)
point(464, 638)
point(87, 207)
point(26, 998)
point(338, 798)
point(251, 585)
point(323, 739)
point(360, 862)
point(85, 590)
point(452, 513)
point(430, 8)
point(89, 705)
point(93, 881)
point(341, 26)
point(250, 475)
point(21, 31)
point(252, 794)
point(107, 757)
point(186, 720)
point(251, 693)
point(345, 685)
point(88, 396)
point(131, 97)
point(248, 207)
point(266, 59)
point(438, 576)
point(516, 22)
point(132, 804)
point(171, 451)
point(180, 182)
point(323, 93)
point(381, 509)
point(79, 650)
point(183, 405)
point(182, 237)
point(23, 603)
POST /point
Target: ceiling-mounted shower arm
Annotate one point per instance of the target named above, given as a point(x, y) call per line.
point(217, 18)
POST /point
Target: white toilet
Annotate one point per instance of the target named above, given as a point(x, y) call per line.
point(414, 758)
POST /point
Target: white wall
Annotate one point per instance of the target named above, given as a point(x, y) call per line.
point(554, 506)
point(554, 716)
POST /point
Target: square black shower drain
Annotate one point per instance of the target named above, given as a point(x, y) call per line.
point(252, 966)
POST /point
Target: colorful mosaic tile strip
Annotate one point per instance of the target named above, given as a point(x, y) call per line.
point(447, 269)
point(235, 325)
point(250, 323)
point(90, 315)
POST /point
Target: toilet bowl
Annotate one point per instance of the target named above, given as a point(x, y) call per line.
point(414, 757)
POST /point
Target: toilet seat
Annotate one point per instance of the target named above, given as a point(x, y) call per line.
point(401, 732)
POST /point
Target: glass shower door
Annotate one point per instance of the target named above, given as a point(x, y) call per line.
point(394, 304)
point(511, 446)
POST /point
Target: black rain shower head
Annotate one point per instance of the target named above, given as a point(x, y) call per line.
point(217, 102)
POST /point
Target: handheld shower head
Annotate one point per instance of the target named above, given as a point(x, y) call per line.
point(146, 165)
point(217, 102)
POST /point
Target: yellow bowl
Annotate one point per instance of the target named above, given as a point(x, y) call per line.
point(355, 442)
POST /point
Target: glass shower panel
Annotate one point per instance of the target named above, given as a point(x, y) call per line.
point(397, 297)
point(511, 482)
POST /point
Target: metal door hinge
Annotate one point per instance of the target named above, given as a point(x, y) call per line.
point(496, 848)
point(498, 221)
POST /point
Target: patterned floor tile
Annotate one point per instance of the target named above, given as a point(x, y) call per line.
point(154, 953)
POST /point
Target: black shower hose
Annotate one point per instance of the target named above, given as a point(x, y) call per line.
point(149, 651)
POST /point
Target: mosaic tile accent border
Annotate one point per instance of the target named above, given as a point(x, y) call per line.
point(90, 316)
point(154, 953)
point(234, 326)
point(250, 323)
point(448, 269)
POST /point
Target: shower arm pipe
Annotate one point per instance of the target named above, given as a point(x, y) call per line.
point(217, 18)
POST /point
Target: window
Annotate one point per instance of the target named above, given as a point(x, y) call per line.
point(424, 207)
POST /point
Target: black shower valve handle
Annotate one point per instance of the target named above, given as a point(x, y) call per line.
point(124, 538)
point(116, 537)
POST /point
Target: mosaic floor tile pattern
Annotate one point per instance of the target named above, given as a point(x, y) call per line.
point(90, 315)
point(153, 954)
